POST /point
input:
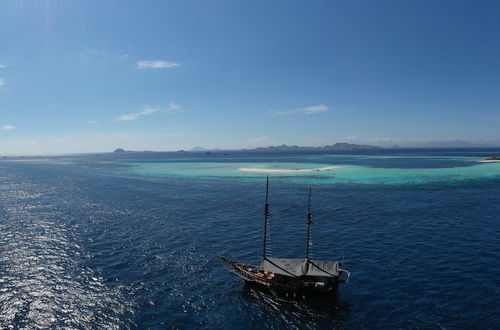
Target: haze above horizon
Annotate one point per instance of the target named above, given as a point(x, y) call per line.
point(92, 76)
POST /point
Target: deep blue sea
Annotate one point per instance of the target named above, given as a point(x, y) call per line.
point(130, 240)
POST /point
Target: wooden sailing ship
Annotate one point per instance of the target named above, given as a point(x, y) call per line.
point(295, 277)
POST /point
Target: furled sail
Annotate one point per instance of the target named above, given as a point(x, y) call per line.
point(301, 267)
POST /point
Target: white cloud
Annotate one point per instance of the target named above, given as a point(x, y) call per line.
point(3, 66)
point(313, 109)
point(8, 127)
point(260, 139)
point(2, 82)
point(147, 110)
point(156, 65)
point(93, 122)
point(172, 107)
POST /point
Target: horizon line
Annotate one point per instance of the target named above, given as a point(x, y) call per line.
point(234, 150)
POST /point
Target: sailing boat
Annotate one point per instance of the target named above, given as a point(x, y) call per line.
point(298, 277)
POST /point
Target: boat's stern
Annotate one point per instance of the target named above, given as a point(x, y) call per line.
point(344, 276)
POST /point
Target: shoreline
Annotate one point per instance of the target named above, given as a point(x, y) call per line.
point(489, 161)
point(270, 170)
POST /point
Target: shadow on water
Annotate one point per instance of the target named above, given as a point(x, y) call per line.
point(309, 313)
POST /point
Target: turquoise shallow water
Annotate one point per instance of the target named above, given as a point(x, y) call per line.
point(344, 174)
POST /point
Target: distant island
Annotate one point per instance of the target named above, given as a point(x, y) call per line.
point(201, 149)
point(340, 146)
point(336, 146)
point(286, 170)
point(284, 147)
point(491, 159)
point(118, 150)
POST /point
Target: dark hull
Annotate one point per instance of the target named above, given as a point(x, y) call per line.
point(299, 294)
point(294, 287)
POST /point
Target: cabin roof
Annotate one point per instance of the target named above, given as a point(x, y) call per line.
point(301, 267)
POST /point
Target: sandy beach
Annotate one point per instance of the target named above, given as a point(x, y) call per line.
point(270, 170)
point(489, 161)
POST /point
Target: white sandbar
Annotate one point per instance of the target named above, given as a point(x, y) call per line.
point(489, 160)
point(271, 170)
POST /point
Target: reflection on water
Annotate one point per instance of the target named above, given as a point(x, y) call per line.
point(42, 280)
point(310, 313)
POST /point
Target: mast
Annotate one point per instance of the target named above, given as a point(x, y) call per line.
point(309, 223)
point(266, 216)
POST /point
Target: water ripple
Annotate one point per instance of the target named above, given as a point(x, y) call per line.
point(42, 279)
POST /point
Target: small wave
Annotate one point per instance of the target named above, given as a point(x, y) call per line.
point(44, 282)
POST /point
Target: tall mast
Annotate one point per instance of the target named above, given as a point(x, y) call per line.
point(309, 223)
point(266, 216)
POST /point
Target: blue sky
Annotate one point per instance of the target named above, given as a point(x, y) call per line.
point(91, 76)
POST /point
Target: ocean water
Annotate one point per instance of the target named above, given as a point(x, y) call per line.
point(130, 240)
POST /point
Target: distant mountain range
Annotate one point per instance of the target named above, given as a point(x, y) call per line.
point(340, 147)
point(198, 148)
point(284, 147)
point(336, 146)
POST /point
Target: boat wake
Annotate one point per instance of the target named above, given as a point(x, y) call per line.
point(283, 312)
